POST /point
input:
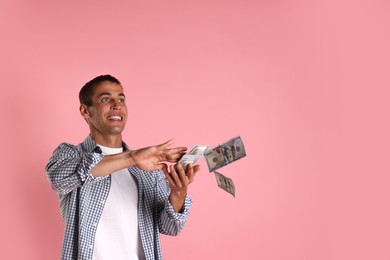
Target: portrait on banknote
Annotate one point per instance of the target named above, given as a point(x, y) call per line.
point(233, 149)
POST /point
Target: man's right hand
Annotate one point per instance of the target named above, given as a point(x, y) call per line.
point(152, 157)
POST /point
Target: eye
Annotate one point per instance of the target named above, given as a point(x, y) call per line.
point(122, 100)
point(106, 100)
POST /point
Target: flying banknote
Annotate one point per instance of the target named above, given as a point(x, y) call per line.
point(225, 153)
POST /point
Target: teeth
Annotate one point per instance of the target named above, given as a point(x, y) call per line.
point(114, 118)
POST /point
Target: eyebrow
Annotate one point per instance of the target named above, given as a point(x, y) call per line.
point(109, 94)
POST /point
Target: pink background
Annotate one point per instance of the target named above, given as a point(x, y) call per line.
point(305, 83)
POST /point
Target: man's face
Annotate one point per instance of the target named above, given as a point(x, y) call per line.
point(108, 113)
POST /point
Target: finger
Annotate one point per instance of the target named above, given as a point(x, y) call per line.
point(189, 173)
point(175, 176)
point(182, 173)
point(196, 168)
point(162, 156)
point(166, 144)
point(164, 168)
point(174, 157)
point(169, 178)
point(194, 171)
point(175, 150)
point(175, 153)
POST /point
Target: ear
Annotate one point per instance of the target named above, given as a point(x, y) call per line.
point(84, 111)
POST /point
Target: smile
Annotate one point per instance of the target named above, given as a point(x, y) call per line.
point(115, 118)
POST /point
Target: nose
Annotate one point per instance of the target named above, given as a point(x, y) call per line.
point(116, 105)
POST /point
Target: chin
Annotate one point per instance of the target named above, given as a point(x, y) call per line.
point(114, 130)
point(117, 131)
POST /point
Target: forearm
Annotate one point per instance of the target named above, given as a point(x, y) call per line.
point(113, 163)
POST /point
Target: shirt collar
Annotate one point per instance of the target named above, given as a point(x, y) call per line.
point(90, 145)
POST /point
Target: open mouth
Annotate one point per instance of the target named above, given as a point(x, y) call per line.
point(115, 118)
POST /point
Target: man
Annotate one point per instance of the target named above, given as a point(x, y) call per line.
point(115, 201)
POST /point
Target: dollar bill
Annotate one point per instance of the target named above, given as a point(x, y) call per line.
point(225, 183)
point(215, 159)
point(225, 153)
point(193, 155)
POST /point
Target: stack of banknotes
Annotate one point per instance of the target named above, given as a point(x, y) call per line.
point(216, 158)
point(193, 155)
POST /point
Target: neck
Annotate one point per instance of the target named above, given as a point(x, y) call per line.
point(112, 141)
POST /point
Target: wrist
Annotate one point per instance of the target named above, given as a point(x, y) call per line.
point(131, 158)
point(177, 201)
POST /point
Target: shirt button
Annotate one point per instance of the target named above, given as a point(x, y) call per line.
point(94, 224)
point(90, 246)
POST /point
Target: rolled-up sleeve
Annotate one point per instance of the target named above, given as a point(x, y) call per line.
point(170, 221)
point(68, 169)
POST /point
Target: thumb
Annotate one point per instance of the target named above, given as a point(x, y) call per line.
point(163, 167)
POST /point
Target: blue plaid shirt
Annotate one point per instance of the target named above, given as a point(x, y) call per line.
point(82, 197)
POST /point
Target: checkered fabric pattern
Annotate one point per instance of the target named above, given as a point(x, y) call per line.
point(82, 197)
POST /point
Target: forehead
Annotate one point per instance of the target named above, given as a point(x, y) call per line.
point(107, 87)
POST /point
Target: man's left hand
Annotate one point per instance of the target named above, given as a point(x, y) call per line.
point(179, 180)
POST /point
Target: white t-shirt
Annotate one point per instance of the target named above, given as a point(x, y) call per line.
point(117, 235)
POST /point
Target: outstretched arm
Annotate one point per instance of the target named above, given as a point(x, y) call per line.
point(148, 159)
point(68, 170)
